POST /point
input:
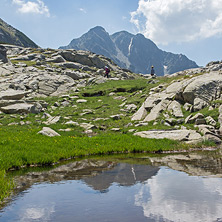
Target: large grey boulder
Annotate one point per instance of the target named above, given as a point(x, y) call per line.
point(213, 138)
point(77, 75)
point(3, 54)
point(12, 94)
point(175, 109)
point(157, 110)
point(205, 87)
point(46, 131)
point(140, 114)
point(21, 108)
point(199, 104)
point(181, 135)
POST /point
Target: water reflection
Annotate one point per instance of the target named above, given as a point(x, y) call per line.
point(175, 196)
point(98, 190)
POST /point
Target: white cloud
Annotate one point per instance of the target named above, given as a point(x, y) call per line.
point(175, 196)
point(33, 7)
point(82, 10)
point(37, 213)
point(166, 21)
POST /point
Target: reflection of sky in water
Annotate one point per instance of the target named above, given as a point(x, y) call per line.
point(168, 196)
point(175, 196)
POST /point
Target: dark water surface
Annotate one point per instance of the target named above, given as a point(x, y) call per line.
point(170, 188)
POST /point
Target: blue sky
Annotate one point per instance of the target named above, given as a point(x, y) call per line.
point(193, 27)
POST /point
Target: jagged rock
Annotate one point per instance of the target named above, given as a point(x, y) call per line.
point(175, 109)
point(36, 108)
point(56, 59)
point(4, 72)
point(171, 121)
point(46, 131)
point(181, 135)
point(202, 127)
point(87, 126)
point(210, 121)
point(77, 75)
point(192, 119)
point(200, 121)
point(188, 107)
point(155, 112)
point(131, 107)
point(212, 138)
point(52, 120)
point(156, 98)
point(3, 55)
point(199, 104)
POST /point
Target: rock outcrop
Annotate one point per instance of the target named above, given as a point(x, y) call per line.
point(194, 93)
point(190, 136)
point(48, 72)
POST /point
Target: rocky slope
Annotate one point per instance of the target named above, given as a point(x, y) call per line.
point(198, 93)
point(133, 52)
point(40, 73)
point(10, 35)
point(188, 103)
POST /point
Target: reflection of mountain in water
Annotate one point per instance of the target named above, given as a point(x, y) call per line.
point(96, 173)
point(123, 174)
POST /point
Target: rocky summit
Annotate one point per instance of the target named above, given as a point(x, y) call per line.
point(134, 52)
point(187, 105)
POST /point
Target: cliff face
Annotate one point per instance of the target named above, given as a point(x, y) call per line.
point(10, 35)
point(134, 52)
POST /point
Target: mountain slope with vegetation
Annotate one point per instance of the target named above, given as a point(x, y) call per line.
point(10, 35)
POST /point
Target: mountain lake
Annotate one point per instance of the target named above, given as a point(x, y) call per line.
point(126, 188)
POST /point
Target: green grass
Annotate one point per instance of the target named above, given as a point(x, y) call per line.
point(6, 186)
point(26, 147)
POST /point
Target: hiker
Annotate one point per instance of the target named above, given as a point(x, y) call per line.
point(152, 71)
point(107, 70)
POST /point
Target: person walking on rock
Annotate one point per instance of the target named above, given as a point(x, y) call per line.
point(107, 70)
point(152, 71)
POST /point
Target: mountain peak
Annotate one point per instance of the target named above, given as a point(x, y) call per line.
point(97, 28)
point(134, 52)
